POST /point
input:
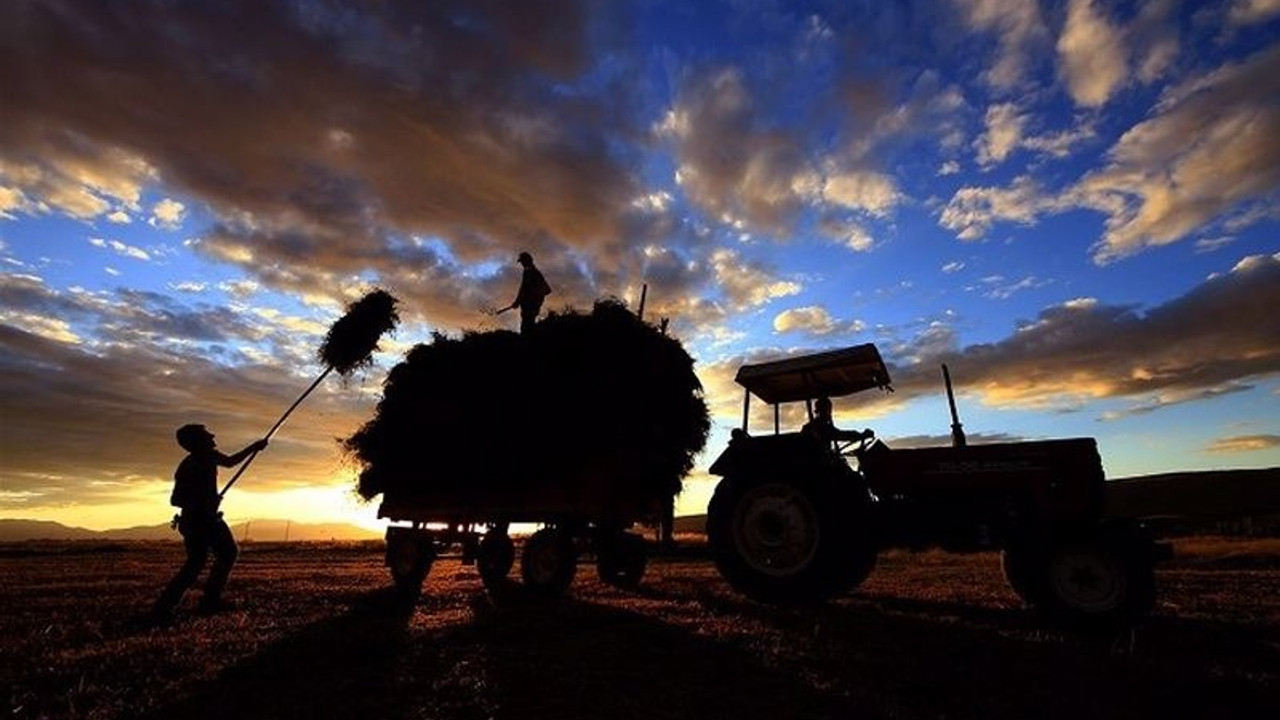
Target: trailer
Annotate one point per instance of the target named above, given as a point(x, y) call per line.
point(796, 519)
point(575, 519)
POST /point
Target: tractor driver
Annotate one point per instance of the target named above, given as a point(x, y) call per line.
point(822, 427)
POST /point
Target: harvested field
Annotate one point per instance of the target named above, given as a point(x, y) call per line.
point(930, 635)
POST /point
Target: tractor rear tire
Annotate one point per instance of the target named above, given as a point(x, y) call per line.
point(549, 562)
point(790, 541)
point(622, 559)
point(497, 554)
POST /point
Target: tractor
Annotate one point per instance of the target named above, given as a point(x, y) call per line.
point(800, 519)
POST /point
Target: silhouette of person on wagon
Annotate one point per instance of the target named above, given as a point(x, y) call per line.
point(195, 491)
point(823, 428)
point(533, 290)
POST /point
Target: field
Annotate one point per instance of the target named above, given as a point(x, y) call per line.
point(316, 635)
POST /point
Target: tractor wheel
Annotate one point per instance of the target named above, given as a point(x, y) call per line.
point(549, 562)
point(791, 541)
point(1096, 580)
point(496, 556)
point(409, 559)
point(622, 559)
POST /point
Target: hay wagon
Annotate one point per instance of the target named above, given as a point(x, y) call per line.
point(584, 425)
point(577, 518)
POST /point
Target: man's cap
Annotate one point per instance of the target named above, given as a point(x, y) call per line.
point(524, 257)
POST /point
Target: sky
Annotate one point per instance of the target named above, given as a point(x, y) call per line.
point(1073, 204)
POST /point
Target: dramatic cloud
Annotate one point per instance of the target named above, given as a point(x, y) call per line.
point(1213, 340)
point(1093, 58)
point(1210, 149)
point(1244, 443)
point(102, 380)
point(453, 120)
point(1208, 154)
point(730, 164)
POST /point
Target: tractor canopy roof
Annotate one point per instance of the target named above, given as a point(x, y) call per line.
point(833, 373)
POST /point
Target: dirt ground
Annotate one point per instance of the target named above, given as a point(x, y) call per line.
point(316, 635)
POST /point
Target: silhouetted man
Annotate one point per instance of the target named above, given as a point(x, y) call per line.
point(533, 290)
point(195, 490)
point(824, 428)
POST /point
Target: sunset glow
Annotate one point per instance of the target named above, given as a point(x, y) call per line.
point(1076, 205)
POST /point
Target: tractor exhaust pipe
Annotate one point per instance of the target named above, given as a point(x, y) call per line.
point(957, 430)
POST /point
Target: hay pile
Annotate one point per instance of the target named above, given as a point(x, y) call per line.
point(598, 399)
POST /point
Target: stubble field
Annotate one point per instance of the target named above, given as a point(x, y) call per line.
point(316, 635)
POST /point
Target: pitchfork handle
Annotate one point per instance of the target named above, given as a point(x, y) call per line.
point(249, 461)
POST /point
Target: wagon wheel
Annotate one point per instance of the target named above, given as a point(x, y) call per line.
point(622, 560)
point(497, 555)
point(410, 562)
point(549, 562)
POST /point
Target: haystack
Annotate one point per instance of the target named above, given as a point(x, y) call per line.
point(599, 400)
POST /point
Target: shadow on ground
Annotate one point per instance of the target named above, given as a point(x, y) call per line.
point(522, 658)
point(519, 658)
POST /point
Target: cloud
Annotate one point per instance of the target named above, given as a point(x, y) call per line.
point(1209, 150)
point(1007, 131)
point(1019, 31)
point(973, 210)
point(121, 249)
point(167, 214)
point(1092, 55)
point(1154, 38)
point(1004, 129)
point(849, 233)
point(748, 284)
point(997, 287)
point(872, 192)
point(119, 217)
point(1243, 443)
point(1206, 245)
point(1252, 12)
point(1084, 350)
point(811, 320)
point(729, 164)
point(950, 167)
point(79, 180)
point(953, 267)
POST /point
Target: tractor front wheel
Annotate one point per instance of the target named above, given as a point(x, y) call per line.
point(1095, 579)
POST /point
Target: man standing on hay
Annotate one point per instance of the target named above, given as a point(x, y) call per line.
point(195, 491)
point(533, 290)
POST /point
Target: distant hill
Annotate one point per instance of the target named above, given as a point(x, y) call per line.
point(12, 530)
point(16, 530)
